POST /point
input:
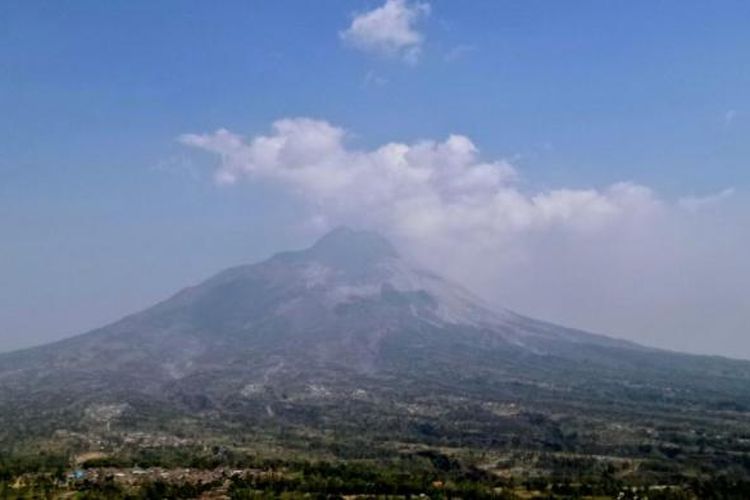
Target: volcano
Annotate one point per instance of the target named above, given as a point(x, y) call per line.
point(347, 336)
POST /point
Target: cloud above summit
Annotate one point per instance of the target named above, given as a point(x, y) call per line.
point(389, 30)
point(427, 188)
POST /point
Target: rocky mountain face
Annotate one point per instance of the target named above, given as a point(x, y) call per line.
point(345, 328)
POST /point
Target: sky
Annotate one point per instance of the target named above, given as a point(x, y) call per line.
point(582, 162)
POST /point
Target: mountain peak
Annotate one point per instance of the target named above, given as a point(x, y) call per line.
point(344, 244)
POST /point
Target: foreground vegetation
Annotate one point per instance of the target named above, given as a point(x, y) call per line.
point(222, 472)
point(298, 445)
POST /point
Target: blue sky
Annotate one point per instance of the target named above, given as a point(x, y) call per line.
point(103, 210)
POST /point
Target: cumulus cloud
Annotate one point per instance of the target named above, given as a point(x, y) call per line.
point(389, 30)
point(617, 259)
point(424, 188)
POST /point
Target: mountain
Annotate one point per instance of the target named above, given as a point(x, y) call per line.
point(346, 340)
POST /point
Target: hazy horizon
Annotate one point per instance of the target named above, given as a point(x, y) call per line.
point(584, 164)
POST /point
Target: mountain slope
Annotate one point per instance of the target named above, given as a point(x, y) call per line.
point(316, 338)
point(339, 303)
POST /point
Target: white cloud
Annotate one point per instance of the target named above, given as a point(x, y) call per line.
point(389, 30)
point(425, 188)
point(696, 203)
point(618, 259)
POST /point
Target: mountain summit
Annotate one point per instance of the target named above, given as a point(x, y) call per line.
point(344, 243)
point(312, 337)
